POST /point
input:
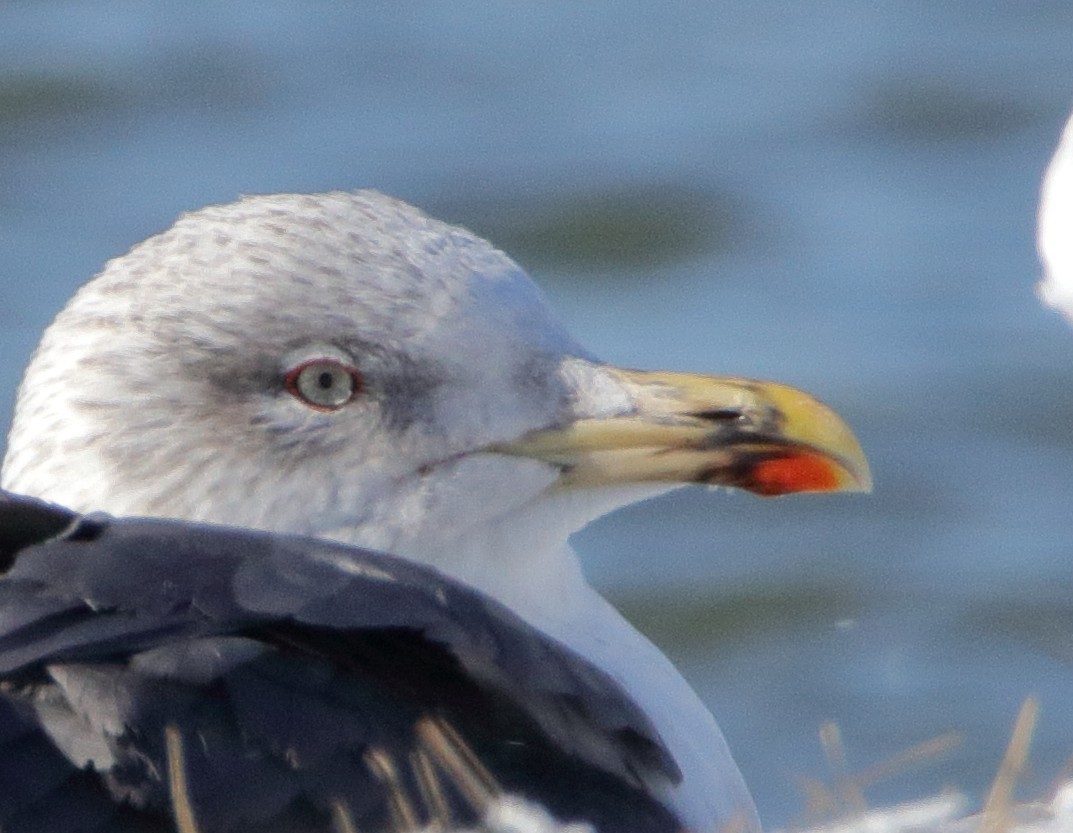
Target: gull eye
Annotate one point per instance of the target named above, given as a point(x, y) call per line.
point(323, 384)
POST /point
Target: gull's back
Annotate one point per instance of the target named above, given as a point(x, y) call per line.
point(288, 684)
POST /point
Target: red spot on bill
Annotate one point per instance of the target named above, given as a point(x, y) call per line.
point(795, 472)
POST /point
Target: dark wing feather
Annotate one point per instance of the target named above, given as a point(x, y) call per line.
point(24, 522)
point(293, 674)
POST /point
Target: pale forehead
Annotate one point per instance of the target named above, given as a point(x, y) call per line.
point(335, 259)
point(346, 245)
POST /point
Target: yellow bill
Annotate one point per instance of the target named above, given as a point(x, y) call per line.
point(767, 438)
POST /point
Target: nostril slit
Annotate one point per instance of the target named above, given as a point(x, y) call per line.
point(719, 415)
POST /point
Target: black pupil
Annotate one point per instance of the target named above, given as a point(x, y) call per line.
point(326, 379)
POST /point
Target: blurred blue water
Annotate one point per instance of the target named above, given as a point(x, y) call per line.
point(874, 170)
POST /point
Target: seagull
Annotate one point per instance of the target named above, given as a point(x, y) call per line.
point(1055, 227)
point(370, 439)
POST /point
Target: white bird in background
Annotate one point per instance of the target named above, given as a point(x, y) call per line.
point(1055, 231)
point(343, 366)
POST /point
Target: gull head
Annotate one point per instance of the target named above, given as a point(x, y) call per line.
point(343, 365)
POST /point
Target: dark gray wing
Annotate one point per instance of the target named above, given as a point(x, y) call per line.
point(298, 678)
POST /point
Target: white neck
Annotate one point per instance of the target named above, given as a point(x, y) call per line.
point(524, 561)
